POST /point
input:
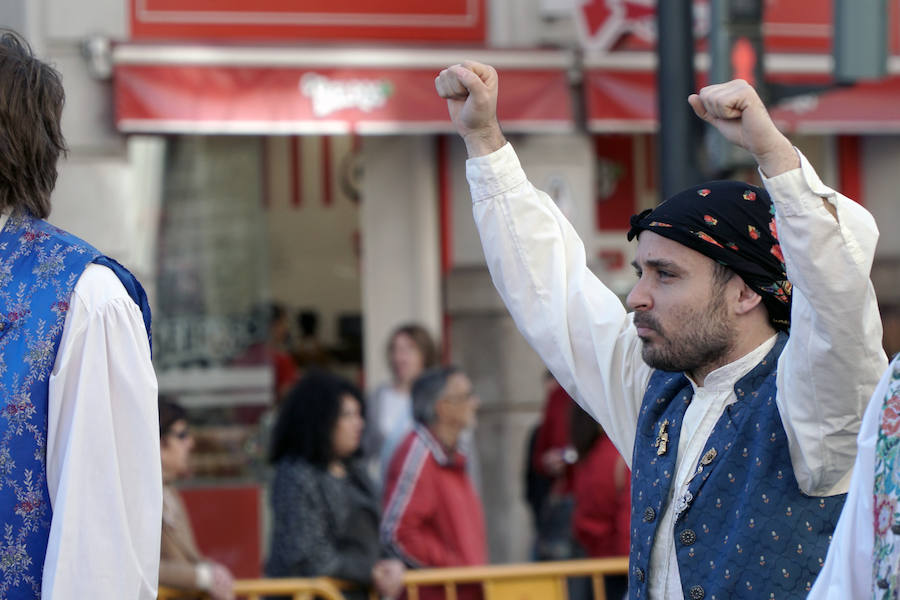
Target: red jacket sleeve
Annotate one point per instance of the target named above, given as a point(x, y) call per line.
point(407, 527)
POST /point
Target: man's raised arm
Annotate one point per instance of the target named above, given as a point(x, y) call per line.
point(538, 265)
point(834, 359)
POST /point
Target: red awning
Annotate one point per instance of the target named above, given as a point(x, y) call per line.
point(621, 97)
point(216, 90)
point(864, 108)
point(621, 101)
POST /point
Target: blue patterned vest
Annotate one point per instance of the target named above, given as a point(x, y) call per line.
point(39, 266)
point(745, 529)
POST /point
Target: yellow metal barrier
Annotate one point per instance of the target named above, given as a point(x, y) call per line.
point(319, 588)
point(526, 581)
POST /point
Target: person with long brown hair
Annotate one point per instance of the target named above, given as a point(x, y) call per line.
point(410, 351)
point(80, 485)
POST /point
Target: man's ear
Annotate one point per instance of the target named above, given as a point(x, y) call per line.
point(747, 298)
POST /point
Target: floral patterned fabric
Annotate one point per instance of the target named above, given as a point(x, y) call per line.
point(39, 266)
point(886, 491)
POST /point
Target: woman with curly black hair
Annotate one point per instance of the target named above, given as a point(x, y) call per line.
point(325, 512)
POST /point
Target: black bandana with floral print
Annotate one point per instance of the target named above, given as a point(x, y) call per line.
point(733, 223)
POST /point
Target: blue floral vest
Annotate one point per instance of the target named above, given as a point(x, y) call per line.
point(39, 266)
point(745, 529)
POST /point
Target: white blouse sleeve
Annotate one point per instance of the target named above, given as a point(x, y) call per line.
point(103, 461)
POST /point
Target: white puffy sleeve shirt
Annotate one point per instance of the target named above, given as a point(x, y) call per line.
point(103, 461)
point(826, 373)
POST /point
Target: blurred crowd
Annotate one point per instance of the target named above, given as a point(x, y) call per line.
point(362, 489)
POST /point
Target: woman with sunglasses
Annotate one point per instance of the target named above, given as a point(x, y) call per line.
point(181, 565)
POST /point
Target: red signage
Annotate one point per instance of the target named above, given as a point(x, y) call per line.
point(616, 190)
point(303, 20)
point(188, 98)
point(868, 107)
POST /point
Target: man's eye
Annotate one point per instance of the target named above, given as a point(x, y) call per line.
point(638, 273)
point(665, 274)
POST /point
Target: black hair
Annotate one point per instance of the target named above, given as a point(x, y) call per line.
point(308, 322)
point(307, 417)
point(169, 413)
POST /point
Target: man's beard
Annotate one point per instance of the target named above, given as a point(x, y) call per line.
point(704, 338)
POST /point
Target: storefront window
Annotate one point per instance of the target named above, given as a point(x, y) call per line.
point(258, 279)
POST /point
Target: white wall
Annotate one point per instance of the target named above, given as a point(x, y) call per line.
point(312, 257)
point(881, 186)
point(71, 21)
point(114, 202)
point(565, 162)
point(400, 243)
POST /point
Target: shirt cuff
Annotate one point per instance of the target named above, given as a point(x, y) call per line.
point(495, 173)
point(802, 187)
point(204, 576)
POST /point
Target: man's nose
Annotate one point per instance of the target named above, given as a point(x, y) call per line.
point(639, 297)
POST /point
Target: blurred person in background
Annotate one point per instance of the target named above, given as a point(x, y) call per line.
point(433, 516)
point(308, 351)
point(410, 350)
point(181, 565)
point(552, 458)
point(602, 491)
point(325, 512)
point(278, 345)
point(81, 486)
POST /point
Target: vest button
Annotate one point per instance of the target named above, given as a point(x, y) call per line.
point(649, 514)
point(882, 584)
point(697, 592)
point(895, 527)
point(688, 537)
point(639, 574)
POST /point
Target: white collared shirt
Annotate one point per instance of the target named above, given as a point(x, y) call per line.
point(103, 460)
point(829, 366)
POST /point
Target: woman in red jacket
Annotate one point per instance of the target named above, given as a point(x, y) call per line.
point(602, 490)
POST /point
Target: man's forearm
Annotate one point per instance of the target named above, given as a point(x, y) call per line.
point(781, 159)
point(485, 141)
